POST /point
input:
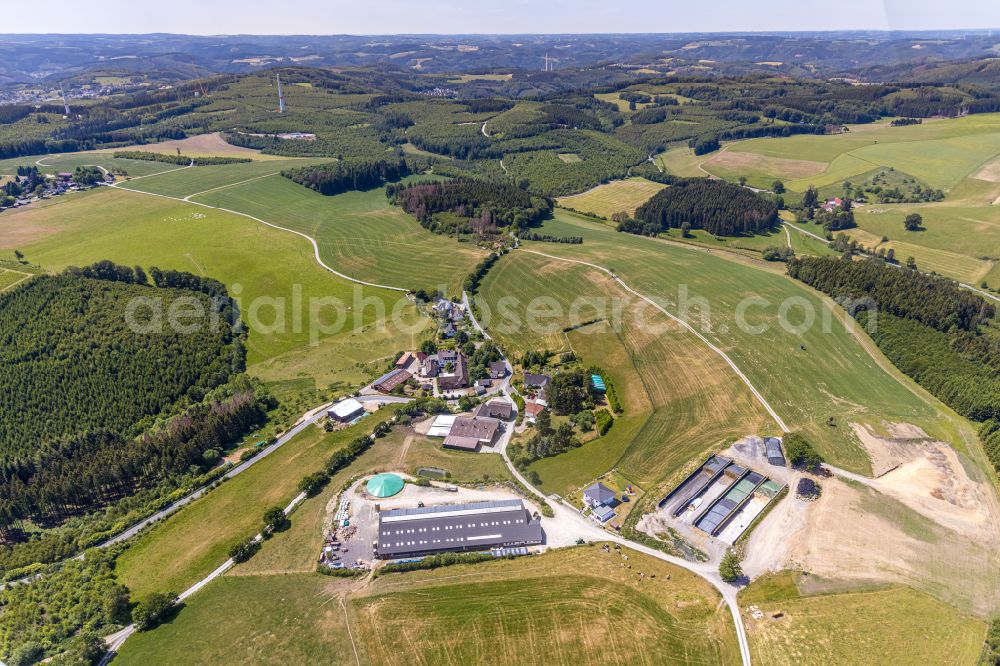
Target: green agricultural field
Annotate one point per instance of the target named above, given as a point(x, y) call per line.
point(294, 619)
point(599, 344)
point(808, 374)
point(940, 153)
point(681, 161)
point(894, 625)
point(623, 106)
point(578, 606)
point(754, 245)
point(619, 195)
point(681, 400)
point(359, 233)
point(185, 182)
point(256, 262)
point(957, 266)
point(419, 617)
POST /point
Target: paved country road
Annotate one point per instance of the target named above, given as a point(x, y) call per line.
point(307, 419)
point(591, 532)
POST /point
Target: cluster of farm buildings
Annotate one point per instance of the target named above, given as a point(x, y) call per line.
point(722, 498)
point(52, 186)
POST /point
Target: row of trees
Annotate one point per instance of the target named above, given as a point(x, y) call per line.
point(179, 159)
point(473, 279)
point(716, 206)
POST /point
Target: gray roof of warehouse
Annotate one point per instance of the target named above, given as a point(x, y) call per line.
point(457, 527)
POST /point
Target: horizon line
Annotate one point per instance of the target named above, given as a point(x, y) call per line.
point(765, 32)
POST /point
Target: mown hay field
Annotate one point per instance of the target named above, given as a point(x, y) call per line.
point(578, 606)
point(794, 345)
point(891, 625)
point(359, 233)
point(680, 398)
point(610, 198)
point(292, 618)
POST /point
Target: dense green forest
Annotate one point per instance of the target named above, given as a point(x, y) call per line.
point(72, 362)
point(347, 175)
point(961, 380)
point(86, 471)
point(465, 205)
point(91, 362)
point(721, 208)
point(929, 327)
point(933, 301)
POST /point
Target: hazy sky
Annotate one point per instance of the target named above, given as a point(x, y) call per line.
point(495, 16)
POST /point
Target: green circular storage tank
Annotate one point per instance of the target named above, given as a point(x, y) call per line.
point(384, 485)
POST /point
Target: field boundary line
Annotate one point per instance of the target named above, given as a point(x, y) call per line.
point(223, 187)
point(746, 380)
point(150, 175)
point(347, 623)
point(309, 238)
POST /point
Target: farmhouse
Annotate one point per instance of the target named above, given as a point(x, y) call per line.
point(456, 527)
point(429, 367)
point(457, 377)
point(602, 514)
point(496, 409)
point(598, 495)
point(483, 428)
point(536, 381)
point(831, 204)
point(405, 360)
point(532, 410)
point(388, 382)
point(460, 443)
point(346, 411)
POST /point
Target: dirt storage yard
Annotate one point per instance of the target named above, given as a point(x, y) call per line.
point(929, 521)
